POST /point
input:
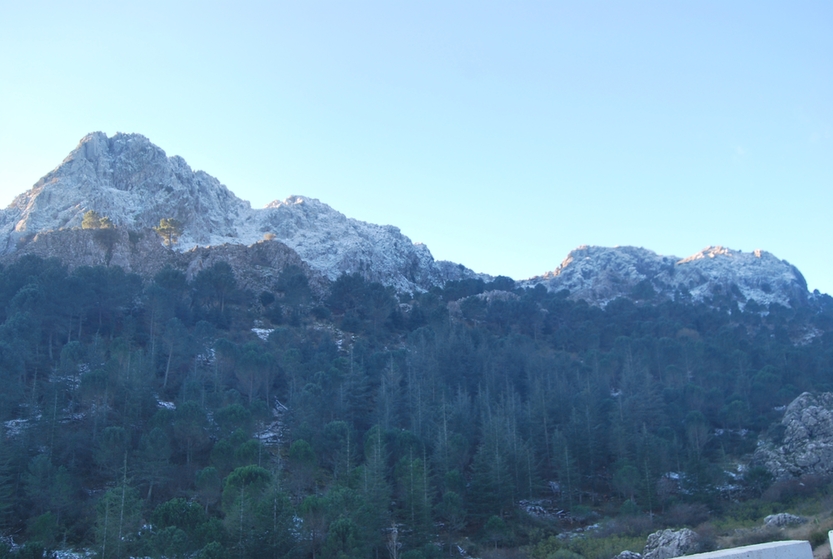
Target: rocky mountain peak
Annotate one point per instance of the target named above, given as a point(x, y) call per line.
point(601, 274)
point(134, 183)
point(131, 181)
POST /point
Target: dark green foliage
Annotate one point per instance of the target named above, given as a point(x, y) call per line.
point(126, 404)
point(214, 289)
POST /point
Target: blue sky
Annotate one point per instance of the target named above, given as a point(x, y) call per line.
point(501, 134)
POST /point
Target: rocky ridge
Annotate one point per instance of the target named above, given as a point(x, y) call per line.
point(601, 274)
point(134, 183)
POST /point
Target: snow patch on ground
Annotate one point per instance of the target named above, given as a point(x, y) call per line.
point(163, 404)
point(14, 427)
point(263, 333)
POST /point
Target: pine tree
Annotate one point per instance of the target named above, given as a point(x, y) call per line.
point(170, 230)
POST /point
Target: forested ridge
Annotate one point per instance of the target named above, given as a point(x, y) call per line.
point(168, 417)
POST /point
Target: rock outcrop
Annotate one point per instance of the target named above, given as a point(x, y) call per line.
point(807, 445)
point(671, 543)
point(601, 274)
point(783, 519)
point(256, 267)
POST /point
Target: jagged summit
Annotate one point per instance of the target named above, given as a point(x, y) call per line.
point(601, 274)
point(133, 182)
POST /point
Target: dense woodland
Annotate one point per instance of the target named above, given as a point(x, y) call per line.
point(148, 418)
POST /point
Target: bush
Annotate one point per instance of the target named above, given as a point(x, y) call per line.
point(756, 536)
point(799, 488)
point(685, 514)
point(817, 538)
point(586, 548)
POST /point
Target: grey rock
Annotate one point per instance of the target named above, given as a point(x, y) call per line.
point(783, 519)
point(671, 543)
point(601, 274)
point(628, 555)
point(807, 446)
point(256, 267)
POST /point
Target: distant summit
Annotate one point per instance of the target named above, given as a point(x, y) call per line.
point(601, 274)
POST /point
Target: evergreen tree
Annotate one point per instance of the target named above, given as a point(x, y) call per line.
point(170, 230)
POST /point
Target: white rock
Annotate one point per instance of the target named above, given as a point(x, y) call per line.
point(671, 543)
point(783, 519)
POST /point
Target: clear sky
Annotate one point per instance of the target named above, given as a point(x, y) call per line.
point(501, 134)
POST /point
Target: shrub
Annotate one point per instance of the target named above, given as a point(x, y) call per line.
point(818, 538)
point(685, 514)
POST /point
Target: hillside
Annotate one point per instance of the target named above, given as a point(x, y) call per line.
point(332, 391)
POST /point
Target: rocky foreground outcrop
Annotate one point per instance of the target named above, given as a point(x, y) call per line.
point(666, 544)
point(807, 444)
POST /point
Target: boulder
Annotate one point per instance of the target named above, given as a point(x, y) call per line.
point(671, 543)
point(628, 555)
point(783, 519)
point(807, 444)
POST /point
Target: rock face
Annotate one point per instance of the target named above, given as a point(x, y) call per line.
point(671, 543)
point(600, 274)
point(135, 184)
point(333, 243)
point(256, 267)
point(807, 446)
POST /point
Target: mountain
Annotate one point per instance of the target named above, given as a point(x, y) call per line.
point(601, 274)
point(134, 183)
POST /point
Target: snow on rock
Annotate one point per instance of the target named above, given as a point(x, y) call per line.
point(164, 404)
point(135, 184)
point(601, 274)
